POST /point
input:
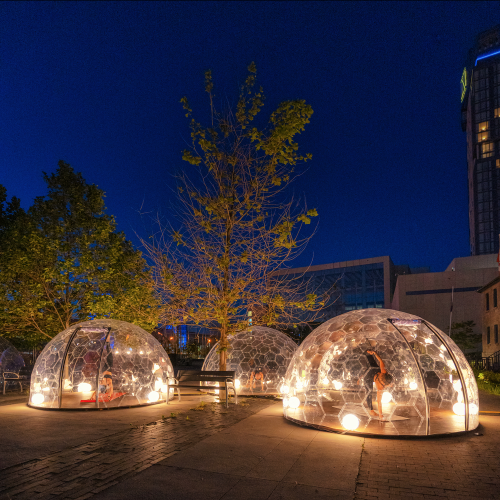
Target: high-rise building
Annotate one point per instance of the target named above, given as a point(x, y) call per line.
point(480, 94)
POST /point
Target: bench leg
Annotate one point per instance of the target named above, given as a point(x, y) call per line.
point(227, 395)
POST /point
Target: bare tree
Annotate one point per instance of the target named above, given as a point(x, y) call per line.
point(234, 226)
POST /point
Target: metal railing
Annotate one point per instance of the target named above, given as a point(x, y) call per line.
point(487, 363)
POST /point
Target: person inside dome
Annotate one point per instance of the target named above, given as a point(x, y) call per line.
point(382, 380)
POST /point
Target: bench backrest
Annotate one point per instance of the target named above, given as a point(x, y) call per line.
point(204, 376)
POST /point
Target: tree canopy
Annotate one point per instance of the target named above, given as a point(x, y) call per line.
point(236, 224)
point(63, 261)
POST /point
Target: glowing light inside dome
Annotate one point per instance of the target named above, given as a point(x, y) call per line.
point(459, 408)
point(285, 402)
point(164, 388)
point(451, 364)
point(326, 381)
point(457, 385)
point(473, 409)
point(299, 385)
point(294, 402)
point(337, 385)
point(153, 396)
point(84, 387)
point(37, 399)
point(413, 386)
point(406, 381)
point(460, 397)
point(284, 389)
point(350, 422)
point(386, 397)
point(237, 383)
point(428, 341)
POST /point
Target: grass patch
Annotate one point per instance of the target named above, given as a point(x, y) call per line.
point(488, 381)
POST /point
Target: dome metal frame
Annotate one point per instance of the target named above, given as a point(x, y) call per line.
point(98, 362)
point(328, 385)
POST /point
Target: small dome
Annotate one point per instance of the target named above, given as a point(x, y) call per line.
point(259, 356)
point(127, 365)
point(414, 378)
point(10, 358)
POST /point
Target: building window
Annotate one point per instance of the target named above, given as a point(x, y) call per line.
point(488, 335)
point(498, 163)
point(495, 297)
point(495, 329)
point(483, 136)
point(487, 149)
point(497, 112)
point(488, 303)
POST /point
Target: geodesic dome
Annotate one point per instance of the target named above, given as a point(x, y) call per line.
point(330, 383)
point(126, 365)
point(10, 358)
point(259, 356)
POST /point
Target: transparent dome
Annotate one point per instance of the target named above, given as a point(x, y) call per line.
point(259, 356)
point(10, 358)
point(332, 383)
point(127, 365)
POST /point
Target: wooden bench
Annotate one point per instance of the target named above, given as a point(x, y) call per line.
point(15, 378)
point(207, 381)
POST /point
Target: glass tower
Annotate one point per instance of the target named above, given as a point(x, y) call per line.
point(480, 95)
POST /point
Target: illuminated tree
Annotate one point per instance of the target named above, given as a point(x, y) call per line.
point(234, 223)
point(63, 261)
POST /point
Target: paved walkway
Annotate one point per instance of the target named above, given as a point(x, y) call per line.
point(246, 452)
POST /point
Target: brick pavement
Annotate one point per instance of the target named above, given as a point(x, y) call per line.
point(454, 467)
point(83, 471)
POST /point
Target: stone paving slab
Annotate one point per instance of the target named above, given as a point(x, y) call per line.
point(87, 469)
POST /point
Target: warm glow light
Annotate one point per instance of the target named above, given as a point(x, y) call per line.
point(299, 385)
point(164, 388)
point(37, 399)
point(285, 402)
point(326, 381)
point(459, 408)
point(460, 397)
point(451, 364)
point(413, 386)
point(237, 383)
point(428, 341)
point(284, 389)
point(153, 396)
point(84, 387)
point(294, 402)
point(158, 384)
point(406, 381)
point(350, 422)
point(457, 385)
point(386, 397)
point(473, 409)
point(337, 385)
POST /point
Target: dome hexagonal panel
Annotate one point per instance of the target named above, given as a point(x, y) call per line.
point(126, 365)
point(412, 384)
point(10, 358)
point(260, 358)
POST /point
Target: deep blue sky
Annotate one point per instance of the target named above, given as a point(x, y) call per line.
point(98, 85)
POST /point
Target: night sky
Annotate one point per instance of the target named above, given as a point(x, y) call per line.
point(98, 86)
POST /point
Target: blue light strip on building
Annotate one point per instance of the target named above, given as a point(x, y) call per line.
point(487, 55)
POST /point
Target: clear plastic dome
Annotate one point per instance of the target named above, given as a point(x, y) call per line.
point(259, 356)
point(332, 383)
point(126, 365)
point(10, 358)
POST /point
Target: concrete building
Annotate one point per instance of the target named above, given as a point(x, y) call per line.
point(359, 284)
point(480, 95)
point(429, 295)
point(490, 309)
